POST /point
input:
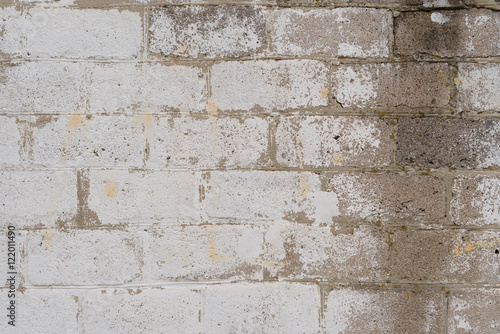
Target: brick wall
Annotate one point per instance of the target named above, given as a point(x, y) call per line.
point(270, 166)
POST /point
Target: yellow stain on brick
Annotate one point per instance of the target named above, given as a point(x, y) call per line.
point(182, 48)
point(337, 159)
point(74, 121)
point(457, 81)
point(47, 238)
point(110, 189)
point(324, 93)
point(212, 107)
point(469, 246)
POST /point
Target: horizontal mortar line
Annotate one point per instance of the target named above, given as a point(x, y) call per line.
point(201, 284)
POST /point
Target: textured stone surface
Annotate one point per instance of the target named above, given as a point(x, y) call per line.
point(262, 308)
point(342, 32)
point(110, 257)
point(476, 200)
point(323, 141)
point(392, 85)
point(474, 311)
point(471, 33)
point(155, 310)
point(478, 87)
point(351, 310)
point(208, 142)
point(456, 256)
point(453, 143)
point(295, 251)
point(11, 138)
point(268, 84)
point(70, 33)
point(211, 31)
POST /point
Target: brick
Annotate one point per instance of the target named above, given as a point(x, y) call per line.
point(262, 308)
point(209, 142)
point(365, 310)
point(64, 87)
point(341, 32)
point(476, 200)
point(388, 197)
point(12, 132)
point(448, 256)
point(392, 85)
point(146, 88)
point(478, 87)
point(136, 310)
point(210, 31)
point(37, 197)
point(121, 196)
point(465, 33)
point(312, 252)
point(307, 197)
point(474, 311)
point(268, 84)
point(71, 33)
point(54, 257)
point(453, 143)
point(267, 196)
point(85, 141)
point(41, 311)
point(326, 141)
point(41, 87)
point(210, 252)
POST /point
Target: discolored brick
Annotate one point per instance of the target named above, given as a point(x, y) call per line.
point(478, 87)
point(210, 31)
point(365, 310)
point(466, 33)
point(392, 85)
point(447, 256)
point(341, 32)
point(474, 311)
point(453, 143)
point(476, 200)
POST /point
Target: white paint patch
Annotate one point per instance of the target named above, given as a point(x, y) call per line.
point(439, 18)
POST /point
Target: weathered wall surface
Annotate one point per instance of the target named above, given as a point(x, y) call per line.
point(274, 166)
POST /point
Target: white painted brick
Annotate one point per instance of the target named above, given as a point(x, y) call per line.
point(262, 195)
point(34, 198)
point(12, 133)
point(213, 252)
point(478, 87)
point(350, 310)
point(209, 142)
point(146, 88)
point(84, 141)
point(340, 32)
point(262, 308)
point(476, 200)
point(120, 196)
point(42, 87)
point(268, 84)
point(81, 257)
point(42, 311)
point(141, 310)
point(71, 33)
point(298, 251)
point(325, 141)
point(211, 31)
point(64, 87)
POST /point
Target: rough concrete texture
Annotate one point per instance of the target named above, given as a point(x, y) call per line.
point(474, 311)
point(392, 85)
point(470, 33)
point(456, 256)
point(351, 310)
point(211, 31)
point(253, 166)
point(478, 87)
point(342, 32)
point(323, 141)
point(454, 143)
point(476, 200)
